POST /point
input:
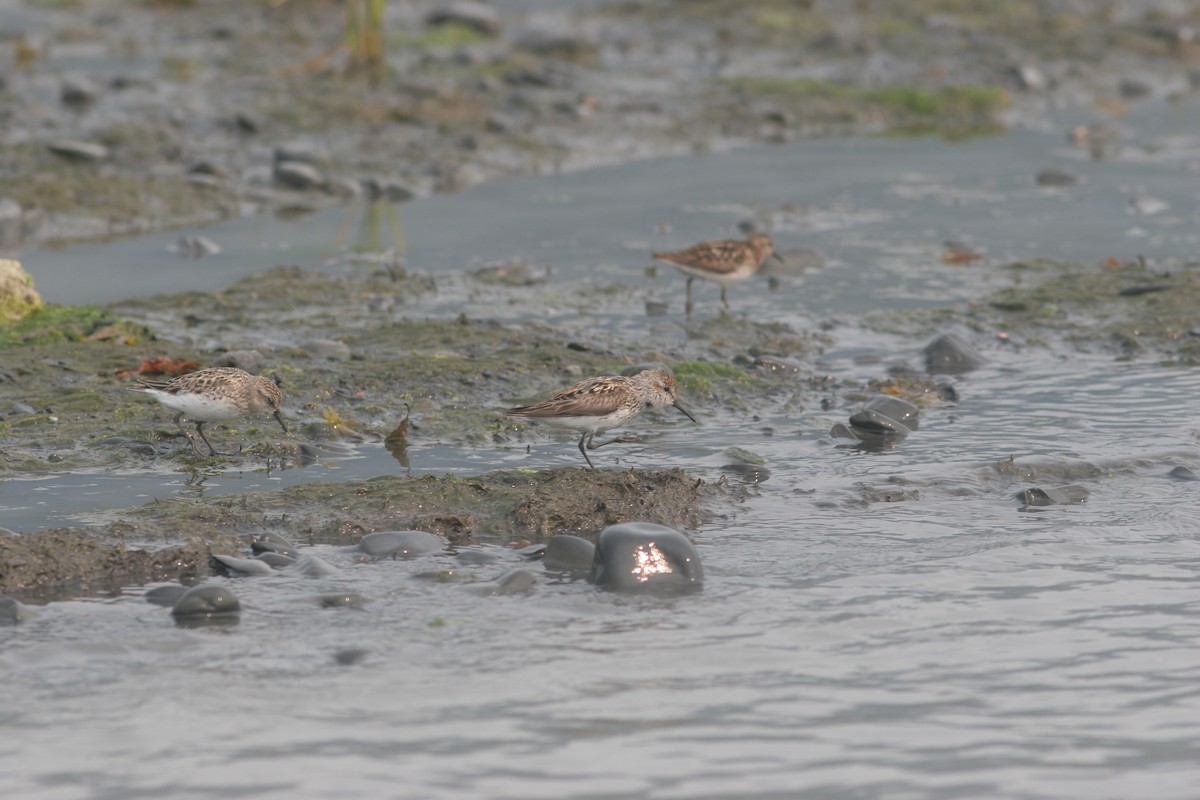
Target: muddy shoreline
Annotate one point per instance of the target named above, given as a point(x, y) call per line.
point(613, 83)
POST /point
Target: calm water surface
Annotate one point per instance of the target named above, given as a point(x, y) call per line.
point(952, 645)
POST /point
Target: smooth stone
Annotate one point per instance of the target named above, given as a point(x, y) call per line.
point(271, 536)
point(275, 560)
point(78, 92)
point(475, 556)
point(842, 431)
point(242, 566)
point(206, 601)
point(1184, 474)
point(11, 612)
point(567, 553)
point(645, 557)
point(78, 151)
point(392, 189)
point(298, 175)
point(876, 424)
point(951, 354)
point(312, 567)
point(250, 360)
point(514, 581)
point(342, 600)
point(479, 16)
point(1056, 177)
point(300, 152)
point(1056, 496)
point(351, 655)
point(533, 552)
point(280, 548)
point(747, 473)
point(165, 595)
point(194, 247)
point(900, 410)
point(401, 544)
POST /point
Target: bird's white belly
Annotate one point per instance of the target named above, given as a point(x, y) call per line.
point(201, 408)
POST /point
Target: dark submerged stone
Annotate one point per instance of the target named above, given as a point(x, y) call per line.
point(950, 354)
point(644, 557)
point(566, 553)
point(401, 544)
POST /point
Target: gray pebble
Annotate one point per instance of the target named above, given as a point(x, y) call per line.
point(951, 354)
point(512, 582)
point(206, 602)
point(341, 600)
point(78, 151)
point(298, 175)
point(242, 566)
point(165, 595)
point(401, 544)
point(11, 612)
point(566, 553)
point(644, 557)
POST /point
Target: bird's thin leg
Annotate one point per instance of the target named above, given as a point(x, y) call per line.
point(587, 435)
point(630, 439)
point(689, 296)
point(724, 299)
point(200, 430)
point(191, 439)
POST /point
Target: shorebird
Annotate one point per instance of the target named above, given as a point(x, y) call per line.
point(212, 395)
point(721, 261)
point(599, 404)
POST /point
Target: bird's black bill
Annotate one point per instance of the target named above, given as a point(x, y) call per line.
point(279, 416)
point(777, 257)
point(686, 413)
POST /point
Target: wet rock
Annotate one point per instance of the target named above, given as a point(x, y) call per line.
point(285, 549)
point(350, 655)
point(206, 167)
point(73, 150)
point(514, 581)
point(341, 600)
point(746, 473)
point(271, 536)
point(391, 189)
point(206, 602)
point(165, 595)
point(776, 365)
point(644, 557)
point(1056, 177)
point(479, 17)
point(566, 553)
point(250, 360)
point(1182, 473)
point(298, 175)
point(1134, 88)
point(11, 612)
point(18, 298)
point(276, 560)
point(20, 409)
point(11, 218)
point(300, 152)
point(238, 567)
point(1055, 496)
point(194, 247)
point(327, 348)
point(951, 354)
point(886, 415)
point(312, 567)
point(401, 544)
point(1030, 77)
point(78, 92)
point(246, 123)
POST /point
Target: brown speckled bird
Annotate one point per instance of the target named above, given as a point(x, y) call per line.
point(212, 395)
point(722, 261)
point(600, 404)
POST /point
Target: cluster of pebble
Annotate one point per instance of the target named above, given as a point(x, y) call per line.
point(633, 557)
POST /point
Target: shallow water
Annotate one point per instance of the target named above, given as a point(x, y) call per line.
point(951, 645)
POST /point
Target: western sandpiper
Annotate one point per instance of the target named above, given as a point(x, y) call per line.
point(600, 404)
point(722, 261)
point(212, 395)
